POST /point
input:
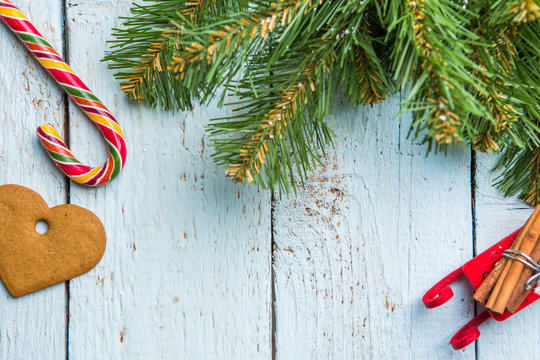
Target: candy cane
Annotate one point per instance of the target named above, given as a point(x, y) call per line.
point(83, 97)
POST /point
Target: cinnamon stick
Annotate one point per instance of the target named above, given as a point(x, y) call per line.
point(500, 281)
point(485, 289)
point(515, 268)
point(519, 294)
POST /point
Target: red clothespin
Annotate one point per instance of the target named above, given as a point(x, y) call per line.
point(475, 270)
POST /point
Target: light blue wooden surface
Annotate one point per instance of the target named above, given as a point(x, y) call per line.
point(197, 267)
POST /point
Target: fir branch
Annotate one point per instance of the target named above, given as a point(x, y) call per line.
point(140, 52)
point(211, 56)
point(471, 72)
point(284, 129)
point(511, 81)
point(153, 60)
point(495, 64)
point(373, 82)
point(281, 128)
point(520, 159)
point(433, 50)
point(520, 173)
point(533, 188)
point(524, 11)
point(214, 46)
point(360, 52)
point(289, 104)
point(441, 118)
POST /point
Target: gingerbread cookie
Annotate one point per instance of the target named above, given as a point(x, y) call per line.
point(29, 261)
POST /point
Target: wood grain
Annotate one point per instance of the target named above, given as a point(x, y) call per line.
point(32, 327)
point(368, 236)
point(496, 216)
point(186, 274)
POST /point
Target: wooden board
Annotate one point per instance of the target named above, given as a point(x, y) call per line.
point(369, 235)
point(186, 274)
point(32, 327)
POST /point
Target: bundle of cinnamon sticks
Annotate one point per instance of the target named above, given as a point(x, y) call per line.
point(505, 286)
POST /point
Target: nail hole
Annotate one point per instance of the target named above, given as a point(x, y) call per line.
point(42, 227)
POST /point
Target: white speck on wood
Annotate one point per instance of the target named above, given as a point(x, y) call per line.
point(31, 327)
point(186, 273)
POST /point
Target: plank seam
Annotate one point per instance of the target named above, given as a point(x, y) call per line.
point(473, 199)
point(474, 239)
point(65, 55)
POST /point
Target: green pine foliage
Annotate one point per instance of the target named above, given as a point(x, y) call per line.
point(471, 73)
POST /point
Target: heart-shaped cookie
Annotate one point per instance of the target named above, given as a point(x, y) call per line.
point(29, 261)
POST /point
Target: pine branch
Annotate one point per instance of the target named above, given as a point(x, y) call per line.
point(289, 104)
point(496, 63)
point(362, 69)
point(523, 11)
point(520, 173)
point(282, 127)
point(368, 80)
point(284, 130)
point(433, 49)
point(471, 72)
point(210, 56)
point(206, 60)
point(140, 52)
point(373, 85)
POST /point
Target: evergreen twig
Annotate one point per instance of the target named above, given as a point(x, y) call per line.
point(471, 72)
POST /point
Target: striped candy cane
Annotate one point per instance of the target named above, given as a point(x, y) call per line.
point(83, 97)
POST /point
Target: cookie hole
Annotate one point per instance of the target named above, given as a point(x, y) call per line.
point(42, 227)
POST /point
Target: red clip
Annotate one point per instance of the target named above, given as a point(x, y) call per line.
point(475, 270)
